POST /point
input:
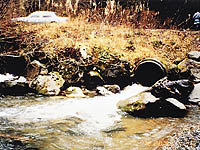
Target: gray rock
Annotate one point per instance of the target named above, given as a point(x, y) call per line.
point(164, 98)
point(103, 91)
point(74, 92)
point(195, 55)
point(83, 51)
point(176, 103)
point(178, 89)
point(146, 105)
point(137, 102)
point(194, 97)
point(190, 65)
point(48, 84)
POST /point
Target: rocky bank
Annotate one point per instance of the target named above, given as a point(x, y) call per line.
point(80, 76)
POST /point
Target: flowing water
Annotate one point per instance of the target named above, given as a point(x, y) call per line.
point(60, 123)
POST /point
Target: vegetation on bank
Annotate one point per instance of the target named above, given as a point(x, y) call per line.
point(131, 44)
point(133, 29)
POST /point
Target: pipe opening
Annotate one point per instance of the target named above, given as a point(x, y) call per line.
point(149, 71)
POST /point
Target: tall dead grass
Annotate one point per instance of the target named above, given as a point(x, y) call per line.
point(133, 35)
point(132, 44)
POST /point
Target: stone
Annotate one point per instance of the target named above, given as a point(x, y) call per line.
point(164, 98)
point(49, 84)
point(34, 69)
point(7, 77)
point(83, 51)
point(17, 80)
point(194, 55)
point(137, 102)
point(92, 79)
point(107, 89)
point(112, 88)
point(103, 91)
point(189, 67)
point(194, 97)
point(178, 89)
point(89, 93)
point(114, 70)
point(146, 105)
point(74, 92)
point(107, 69)
point(176, 103)
point(71, 70)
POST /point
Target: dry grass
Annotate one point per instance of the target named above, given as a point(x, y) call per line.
point(133, 44)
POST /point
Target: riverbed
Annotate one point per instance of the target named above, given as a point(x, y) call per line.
point(61, 123)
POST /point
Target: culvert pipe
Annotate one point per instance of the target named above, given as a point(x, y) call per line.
point(148, 71)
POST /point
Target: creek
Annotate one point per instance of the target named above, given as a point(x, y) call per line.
point(60, 123)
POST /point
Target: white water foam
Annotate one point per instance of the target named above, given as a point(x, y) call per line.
point(6, 77)
point(11, 78)
point(97, 113)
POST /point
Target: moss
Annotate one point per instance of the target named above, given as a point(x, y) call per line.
point(182, 66)
point(136, 106)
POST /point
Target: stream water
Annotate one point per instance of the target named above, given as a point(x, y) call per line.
point(60, 123)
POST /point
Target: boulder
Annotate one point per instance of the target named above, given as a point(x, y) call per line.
point(194, 97)
point(83, 52)
point(107, 89)
point(92, 79)
point(103, 91)
point(164, 98)
point(194, 55)
point(49, 84)
point(176, 103)
point(189, 68)
point(81, 69)
point(119, 72)
point(74, 92)
point(137, 102)
point(71, 70)
point(145, 105)
point(178, 89)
